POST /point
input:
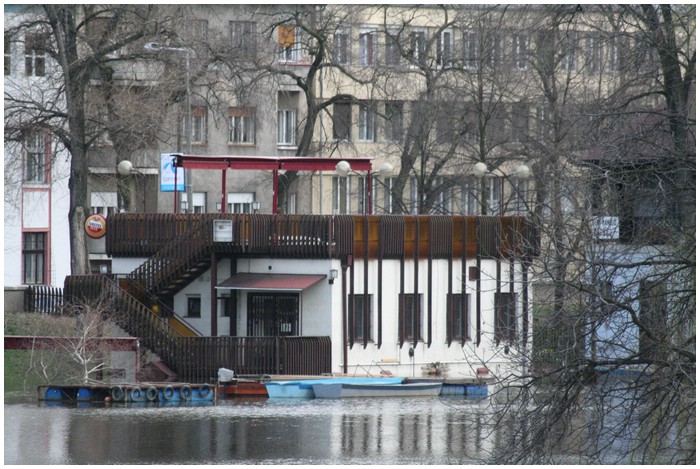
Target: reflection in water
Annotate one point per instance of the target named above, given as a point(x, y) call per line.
point(350, 431)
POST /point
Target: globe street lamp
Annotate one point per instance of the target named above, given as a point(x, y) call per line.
point(343, 169)
point(156, 47)
point(480, 170)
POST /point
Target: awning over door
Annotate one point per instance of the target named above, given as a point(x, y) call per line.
point(270, 282)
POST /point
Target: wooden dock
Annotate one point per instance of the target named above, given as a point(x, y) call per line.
point(129, 393)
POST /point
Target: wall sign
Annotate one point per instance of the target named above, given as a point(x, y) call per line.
point(96, 226)
point(167, 174)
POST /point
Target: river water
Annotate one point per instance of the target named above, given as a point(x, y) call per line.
point(250, 431)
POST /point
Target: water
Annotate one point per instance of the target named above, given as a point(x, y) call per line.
point(250, 431)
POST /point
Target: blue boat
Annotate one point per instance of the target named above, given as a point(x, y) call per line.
point(304, 388)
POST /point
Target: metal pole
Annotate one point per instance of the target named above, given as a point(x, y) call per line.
point(188, 130)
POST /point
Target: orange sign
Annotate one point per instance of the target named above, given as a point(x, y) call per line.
point(96, 226)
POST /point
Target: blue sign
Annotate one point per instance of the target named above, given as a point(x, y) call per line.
point(167, 174)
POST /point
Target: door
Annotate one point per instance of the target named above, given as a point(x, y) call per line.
point(273, 314)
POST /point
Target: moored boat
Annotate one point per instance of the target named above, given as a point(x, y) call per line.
point(304, 388)
point(340, 390)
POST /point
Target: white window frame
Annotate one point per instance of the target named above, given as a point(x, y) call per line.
point(292, 54)
point(35, 158)
point(35, 58)
point(286, 127)
point(199, 202)
point(103, 203)
point(521, 44)
point(342, 50)
point(419, 46)
point(240, 202)
point(367, 42)
point(367, 123)
point(392, 49)
point(446, 49)
point(470, 49)
point(241, 129)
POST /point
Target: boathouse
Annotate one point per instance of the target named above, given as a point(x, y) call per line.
point(408, 296)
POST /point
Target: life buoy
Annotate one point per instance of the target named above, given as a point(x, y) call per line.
point(186, 392)
point(151, 393)
point(204, 390)
point(117, 393)
point(136, 394)
point(168, 392)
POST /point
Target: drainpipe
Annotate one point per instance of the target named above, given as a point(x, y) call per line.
point(345, 318)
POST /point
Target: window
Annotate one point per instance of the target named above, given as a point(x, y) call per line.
point(286, 126)
point(341, 194)
point(594, 53)
point(544, 128)
point(470, 197)
point(361, 317)
point(363, 194)
point(199, 202)
point(392, 51)
point(495, 51)
point(34, 257)
point(519, 121)
point(35, 158)
point(518, 196)
point(241, 126)
point(419, 47)
point(367, 123)
point(103, 203)
point(413, 202)
point(394, 121)
point(240, 202)
point(458, 316)
point(505, 327)
point(444, 47)
point(494, 186)
point(199, 125)
point(342, 120)
point(443, 199)
point(520, 50)
point(410, 316)
point(368, 40)
point(35, 55)
point(341, 47)
point(619, 45)
point(243, 37)
point(570, 50)
point(389, 195)
point(8, 54)
point(288, 39)
point(470, 50)
point(194, 306)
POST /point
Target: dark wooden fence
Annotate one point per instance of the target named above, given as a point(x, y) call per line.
point(43, 299)
point(199, 358)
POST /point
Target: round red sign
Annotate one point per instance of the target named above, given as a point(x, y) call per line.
point(96, 226)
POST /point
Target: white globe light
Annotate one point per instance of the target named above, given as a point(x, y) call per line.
point(124, 167)
point(480, 169)
point(385, 170)
point(342, 168)
point(522, 172)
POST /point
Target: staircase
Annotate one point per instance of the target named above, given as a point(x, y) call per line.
point(178, 263)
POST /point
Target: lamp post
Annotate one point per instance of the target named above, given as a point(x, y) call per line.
point(480, 170)
point(343, 169)
point(126, 168)
point(156, 47)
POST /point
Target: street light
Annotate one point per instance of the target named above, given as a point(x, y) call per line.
point(343, 169)
point(480, 170)
point(156, 47)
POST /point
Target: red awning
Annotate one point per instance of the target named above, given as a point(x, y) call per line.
point(270, 282)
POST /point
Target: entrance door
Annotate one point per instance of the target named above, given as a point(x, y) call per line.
point(273, 314)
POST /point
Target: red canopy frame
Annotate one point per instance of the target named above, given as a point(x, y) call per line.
point(268, 163)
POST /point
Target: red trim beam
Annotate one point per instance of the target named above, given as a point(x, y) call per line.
point(291, 163)
point(122, 344)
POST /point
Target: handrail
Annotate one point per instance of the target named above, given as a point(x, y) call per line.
point(173, 259)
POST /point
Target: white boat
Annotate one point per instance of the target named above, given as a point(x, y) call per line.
point(339, 390)
point(304, 388)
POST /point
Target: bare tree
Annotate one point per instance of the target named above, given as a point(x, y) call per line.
point(86, 43)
